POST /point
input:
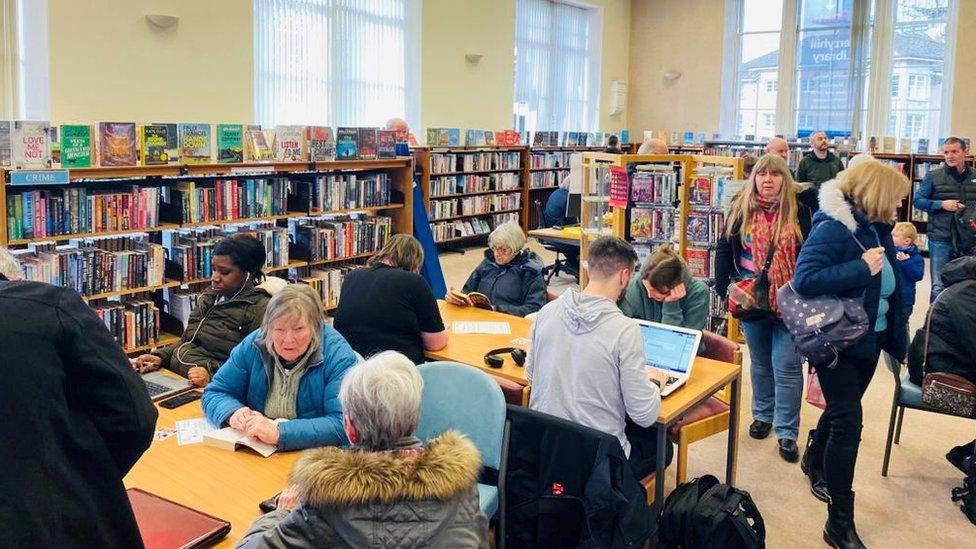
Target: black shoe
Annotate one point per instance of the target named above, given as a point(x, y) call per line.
point(759, 429)
point(812, 467)
point(788, 450)
point(839, 532)
point(957, 456)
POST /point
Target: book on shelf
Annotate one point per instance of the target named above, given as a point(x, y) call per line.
point(55, 140)
point(923, 146)
point(274, 238)
point(346, 191)
point(230, 143)
point(329, 237)
point(471, 183)
point(888, 144)
point(699, 261)
point(489, 138)
point(227, 199)
point(30, 145)
point(473, 299)
point(76, 146)
point(328, 283)
point(347, 143)
point(231, 439)
point(132, 322)
point(473, 205)
point(289, 144)
point(385, 144)
point(464, 228)
point(654, 186)
point(191, 250)
point(650, 223)
point(321, 143)
point(172, 141)
point(182, 302)
point(476, 138)
point(153, 139)
point(256, 142)
point(367, 143)
point(688, 139)
point(195, 143)
point(42, 213)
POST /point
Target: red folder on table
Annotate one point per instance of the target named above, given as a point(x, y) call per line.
point(165, 524)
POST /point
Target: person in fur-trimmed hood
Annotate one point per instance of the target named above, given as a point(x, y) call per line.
point(388, 490)
point(850, 254)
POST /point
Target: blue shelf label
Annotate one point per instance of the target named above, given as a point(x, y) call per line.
point(39, 177)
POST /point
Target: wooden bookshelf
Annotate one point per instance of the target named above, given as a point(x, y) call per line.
point(477, 193)
point(164, 340)
point(20, 241)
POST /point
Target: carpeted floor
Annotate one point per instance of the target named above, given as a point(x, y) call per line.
point(909, 508)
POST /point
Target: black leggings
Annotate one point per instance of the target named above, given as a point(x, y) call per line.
point(839, 428)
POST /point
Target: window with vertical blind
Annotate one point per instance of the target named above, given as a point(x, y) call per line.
point(335, 62)
point(557, 66)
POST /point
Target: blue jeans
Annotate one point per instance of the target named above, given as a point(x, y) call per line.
point(940, 253)
point(776, 370)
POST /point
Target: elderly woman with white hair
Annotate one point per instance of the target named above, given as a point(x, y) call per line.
point(281, 383)
point(388, 489)
point(510, 275)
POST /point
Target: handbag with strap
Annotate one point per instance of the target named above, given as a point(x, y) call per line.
point(824, 325)
point(945, 392)
point(749, 297)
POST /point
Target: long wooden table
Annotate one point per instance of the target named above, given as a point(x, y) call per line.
point(228, 485)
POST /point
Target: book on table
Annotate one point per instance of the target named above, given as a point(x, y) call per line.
point(473, 299)
point(231, 439)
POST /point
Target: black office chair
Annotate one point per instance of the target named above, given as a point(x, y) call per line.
point(560, 264)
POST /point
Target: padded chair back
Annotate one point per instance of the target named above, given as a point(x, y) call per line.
point(893, 366)
point(463, 398)
point(540, 214)
point(721, 348)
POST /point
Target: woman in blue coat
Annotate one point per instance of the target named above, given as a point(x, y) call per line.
point(858, 207)
point(281, 383)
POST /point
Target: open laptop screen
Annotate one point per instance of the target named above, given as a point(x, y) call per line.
point(669, 349)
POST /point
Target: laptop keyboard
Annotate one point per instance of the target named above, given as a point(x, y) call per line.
point(671, 380)
point(155, 389)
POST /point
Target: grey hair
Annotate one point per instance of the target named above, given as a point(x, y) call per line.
point(9, 266)
point(294, 300)
point(381, 397)
point(509, 235)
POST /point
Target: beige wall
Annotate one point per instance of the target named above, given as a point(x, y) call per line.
point(684, 37)
point(964, 78)
point(106, 63)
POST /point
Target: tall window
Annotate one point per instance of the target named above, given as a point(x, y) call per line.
point(24, 72)
point(758, 62)
point(557, 66)
point(334, 62)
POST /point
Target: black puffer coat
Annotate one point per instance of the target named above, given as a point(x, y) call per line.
point(953, 323)
point(516, 288)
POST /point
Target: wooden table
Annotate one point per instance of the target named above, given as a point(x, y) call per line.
point(562, 236)
point(471, 348)
point(227, 485)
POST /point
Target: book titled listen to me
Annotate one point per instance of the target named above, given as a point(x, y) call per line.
point(231, 439)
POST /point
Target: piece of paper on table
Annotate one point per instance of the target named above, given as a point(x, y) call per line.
point(521, 341)
point(164, 433)
point(472, 327)
point(191, 431)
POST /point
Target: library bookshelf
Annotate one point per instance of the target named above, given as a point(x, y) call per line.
point(296, 264)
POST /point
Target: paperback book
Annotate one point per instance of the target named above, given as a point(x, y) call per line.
point(289, 144)
point(257, 145)
point(30, 145)
point(367, 143)
point(230, 143)
point(321, 143)
point(172, 142)
point(153, 139)
point(195, 143)
point(117, 144)
point(347, 143)
point(76, 146)
point(385, 144)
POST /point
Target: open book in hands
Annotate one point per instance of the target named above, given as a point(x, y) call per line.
point(231, 439)
point(474, 299)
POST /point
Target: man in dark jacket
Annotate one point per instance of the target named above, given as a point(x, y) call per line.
point(943, 192)
point(819, 164)
point(76, 417)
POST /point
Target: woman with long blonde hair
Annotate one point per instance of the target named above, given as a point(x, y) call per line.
point(767, 223)
point(850, 253)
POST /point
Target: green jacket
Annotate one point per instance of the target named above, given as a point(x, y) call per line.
point(688, 312)
point(816, 171)
point(225, 325)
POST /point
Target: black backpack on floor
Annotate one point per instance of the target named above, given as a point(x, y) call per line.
point(706, 513)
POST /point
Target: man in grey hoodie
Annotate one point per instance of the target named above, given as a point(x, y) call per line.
point(586, 362)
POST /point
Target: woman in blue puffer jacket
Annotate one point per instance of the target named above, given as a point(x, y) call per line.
point(858, 207)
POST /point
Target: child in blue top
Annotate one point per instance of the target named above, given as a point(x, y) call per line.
point(909, 261)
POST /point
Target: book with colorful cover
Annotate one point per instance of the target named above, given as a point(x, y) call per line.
point(289, 144)
point(153, 139)
point(30, 145)
point(53, 135)
point(117, 144)
point(700, 191)
point(476, 138)
point(172, 141)
point(195, 143)
point(256, 143)
point(697, 229)
point(76, 146)
point(5, 153)
point(385, 144)
point(321, 143)
point(367, 143)
point(923, 146)
point(889, 144)
point(698, 262)
point(689, 138)
point(572, 138)
point(641, 223)
point(230, 143)
point(489, 138)
point(347, 143)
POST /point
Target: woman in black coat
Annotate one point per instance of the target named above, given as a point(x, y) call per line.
point(856, 214)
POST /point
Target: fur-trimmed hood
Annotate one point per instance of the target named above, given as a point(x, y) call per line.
point(332, 476)
point(834, 204)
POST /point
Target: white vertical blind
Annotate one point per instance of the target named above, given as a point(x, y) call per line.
point(556, 77)
point(8, 59)
point(332, 62)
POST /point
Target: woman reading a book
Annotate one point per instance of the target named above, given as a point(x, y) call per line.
point(666, 292)
point(229, 310)
point(388, 306)
point(766, 224)
point(389, 489)
point(281, 383)
point(510, 276)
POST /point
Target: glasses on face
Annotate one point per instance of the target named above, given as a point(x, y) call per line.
point(501, 251)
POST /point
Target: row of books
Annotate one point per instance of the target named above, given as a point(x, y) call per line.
point(654, 186)
point(451, 137)
point(470, 183)
point(274, 238)
point(716, 320)
point(182, 302)
point(327, 283)
point(713, 187)
point(39, 145)
point(704, 227)
point(349, 191)
point(335, 237)
point(451, 230)
point(701, 261)
point(132, 322)
point(553, 159)
point(473, 205)
point(95, 265)
point(229, 199)
point(191, 249)
point(77, 209)
point(473, 161)
point(541, 180)
point(653, 223)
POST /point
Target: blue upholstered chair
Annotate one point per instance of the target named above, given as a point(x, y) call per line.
point(460, 397)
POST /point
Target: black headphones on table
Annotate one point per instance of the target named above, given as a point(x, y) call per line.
point(494, 360)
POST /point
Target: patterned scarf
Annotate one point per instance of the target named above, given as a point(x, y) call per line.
point(784, 260)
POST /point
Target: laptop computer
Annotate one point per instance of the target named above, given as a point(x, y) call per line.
point(161, 386)
point(672, 349)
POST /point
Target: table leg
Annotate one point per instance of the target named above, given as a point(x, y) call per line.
point(733, 449)
point(662, 441)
